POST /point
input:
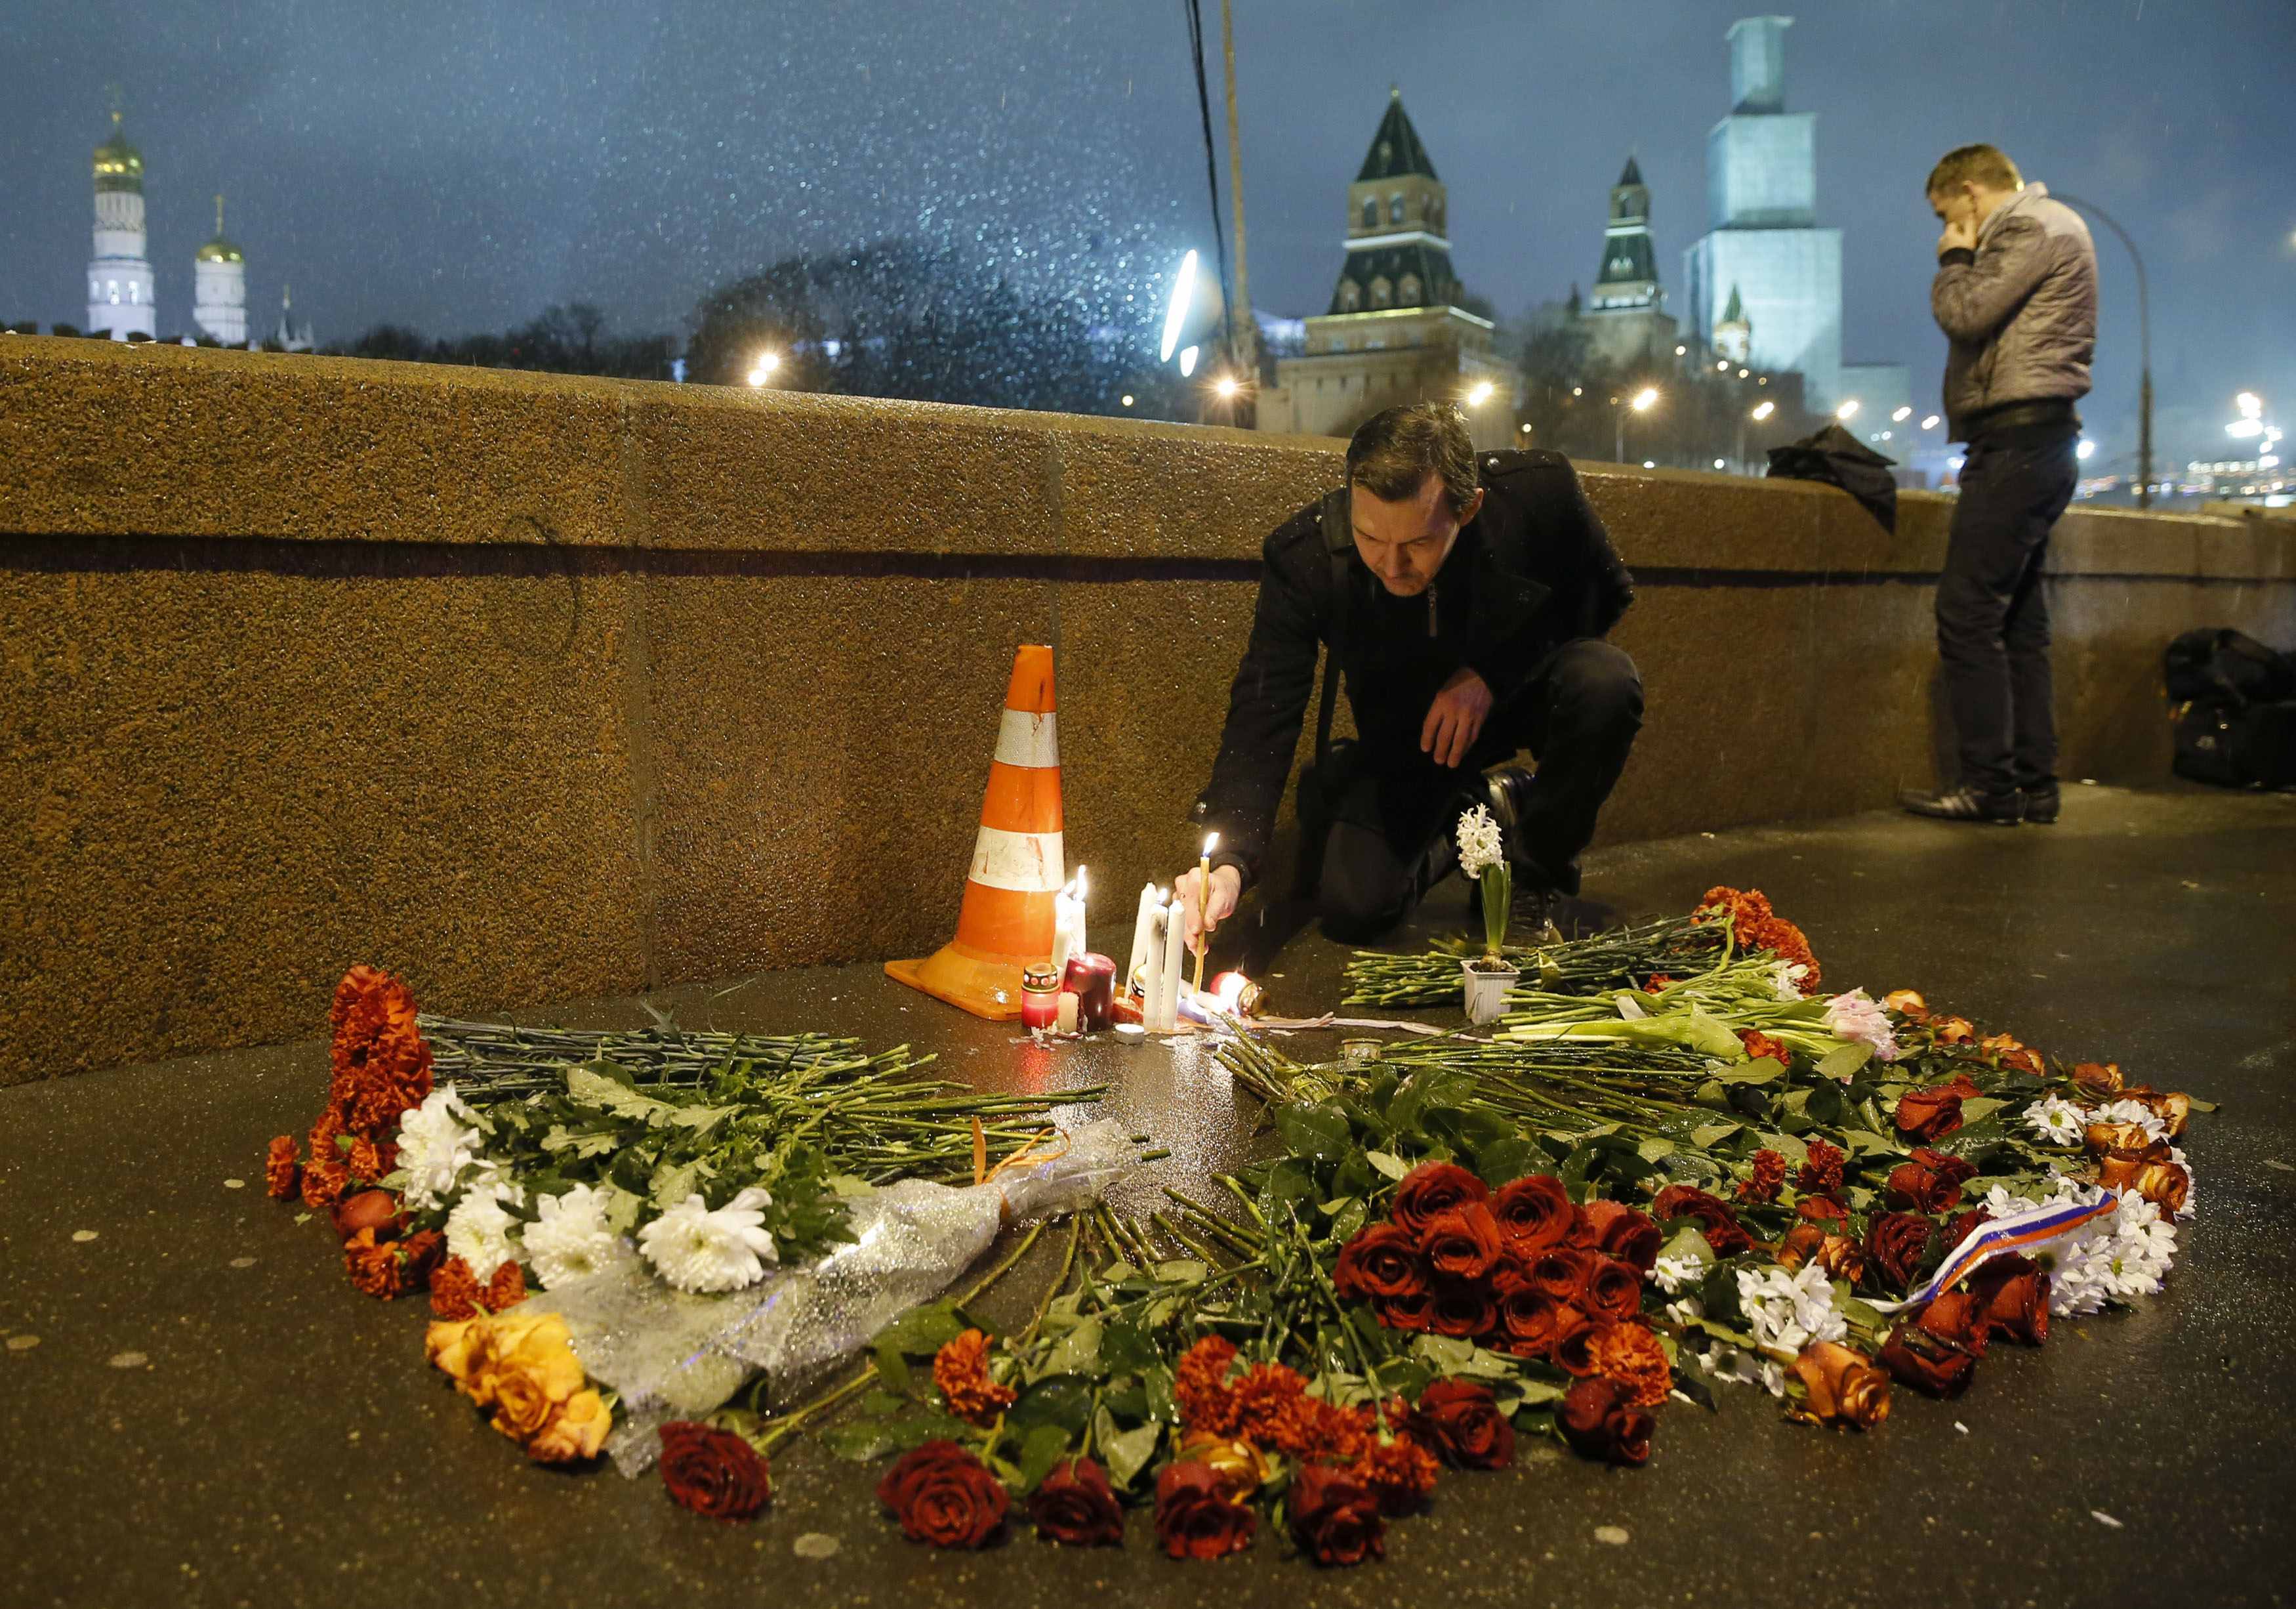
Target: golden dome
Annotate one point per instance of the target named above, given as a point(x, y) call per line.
point(119, 165)
point(220, 249)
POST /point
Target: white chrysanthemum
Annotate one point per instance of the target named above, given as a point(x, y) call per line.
point(1785, 1312)
point(2057, 1120)
point(1858, 1015)
point(695, 1248)
point(569, 1241)
point(1670, 1274)
point(434, 1147)
point(2192, 1185)
point(2121, 1256)
point(1684, 1310)
point(1785, 980)
point(1738, 1366)
point(482, 1233)
point(2132, 1111)
point(1479, 842)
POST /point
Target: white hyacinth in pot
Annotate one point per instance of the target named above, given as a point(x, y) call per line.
point(1483, 858)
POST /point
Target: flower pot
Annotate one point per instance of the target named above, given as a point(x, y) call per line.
point(1487, 990)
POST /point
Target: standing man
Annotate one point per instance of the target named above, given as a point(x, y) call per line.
point(1465, 599)
point(2016, 295)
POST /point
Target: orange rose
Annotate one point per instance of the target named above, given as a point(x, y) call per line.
point(1954, 1030)
point(1906, 1003)
point(575, 1431)
point(2174, 1109)
point(2104, 1138)
point(1843, 1387)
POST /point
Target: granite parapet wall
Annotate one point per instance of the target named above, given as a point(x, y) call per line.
point(535, 687)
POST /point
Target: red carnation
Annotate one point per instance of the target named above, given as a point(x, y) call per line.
point(1768, 1178)
point(1821, 1170)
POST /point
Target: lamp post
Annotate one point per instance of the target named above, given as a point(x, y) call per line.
point(1641, 402)
point(2144, 349)
point(1762, 411)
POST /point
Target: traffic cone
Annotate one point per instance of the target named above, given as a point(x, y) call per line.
point(1018, 865)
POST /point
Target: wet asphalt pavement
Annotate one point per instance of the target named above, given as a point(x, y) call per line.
point(195, 1406)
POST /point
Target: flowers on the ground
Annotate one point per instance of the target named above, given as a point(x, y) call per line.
point(2056, 1119)
point(1787, 1311)
point(482, 1231)
point(437, 1143)
point(522, 1368)
point(942, 1494)
point(1842, 1387)
point(1857, 1016)
point(1195, 1516)
point(1335, 1516)
point(1483, 858)
point(1600, 1421)
point(696, 1249)
point(1075, 1505)
point(713, 1472)
point(1479, 849)
point(961, 1371)
point(569, 1240)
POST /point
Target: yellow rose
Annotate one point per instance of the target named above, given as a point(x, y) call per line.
point(448, 1347)
point(575, 1431)
point(1240, 1468)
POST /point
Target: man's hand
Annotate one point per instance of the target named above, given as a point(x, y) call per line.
point(1960, 229)
point(1455, 718)
point(1227, 888)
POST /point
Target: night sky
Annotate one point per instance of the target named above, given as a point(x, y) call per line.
point(459, 164)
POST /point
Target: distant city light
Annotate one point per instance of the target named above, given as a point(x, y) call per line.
point(1884, 436)
point(762, 372)
point(1183, 289)
point(1723, 366)
point(1718, 463)
point(1764, 410)
point(1649, 463)
point(1577, 390)
point(1930, 422)
point(1744, 373)
point(1955, 463)
point(2245, 428)
point(1479, 394)
point(1128, 399)
point(1227, 386)
point(2086, 450)
point(1901, 415)
point(1526, 430)
point(1644, 401)
point(1682, 351)
point(1848, 410)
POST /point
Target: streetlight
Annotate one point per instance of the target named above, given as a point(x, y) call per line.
point(1226, 388)
point(1847, 411)
point(1762, 411)
point(762, 374)
point(1902, 414)
point(1479, 393)
point(2143, 348)
point(1930, 422)
point(2086, 450)
point(1641, 402)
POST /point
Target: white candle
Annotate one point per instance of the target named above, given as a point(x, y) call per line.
point(1068, 924)
point(1151, 966)
point(1176, 952)
point(1143, 928)
point(1066, 1023)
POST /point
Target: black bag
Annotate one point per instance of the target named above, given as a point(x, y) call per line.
point(2203, 734)
point(2220, 666)
point(2264, 744)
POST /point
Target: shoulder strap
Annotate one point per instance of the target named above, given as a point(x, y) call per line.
point(1339, 542)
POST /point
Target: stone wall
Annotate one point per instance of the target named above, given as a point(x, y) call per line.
point(533, 687)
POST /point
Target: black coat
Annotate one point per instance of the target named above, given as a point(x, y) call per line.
point(1532, 570)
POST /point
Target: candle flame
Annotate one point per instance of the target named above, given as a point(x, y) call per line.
point(1079, 882)
point(1211, 843)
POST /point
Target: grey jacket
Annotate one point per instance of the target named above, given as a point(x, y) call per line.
point(2021, 310)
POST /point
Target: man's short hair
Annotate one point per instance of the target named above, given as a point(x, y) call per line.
point(1983, 165)
point(1394, 451)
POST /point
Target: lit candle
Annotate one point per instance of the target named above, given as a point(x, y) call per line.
point(1068, 924)
point(1203, 904)
point(1176, 943)
point(1143, 928)
point(1040, 992)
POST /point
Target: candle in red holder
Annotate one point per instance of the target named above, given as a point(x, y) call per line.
point(1093, 977)
point(1040, 999)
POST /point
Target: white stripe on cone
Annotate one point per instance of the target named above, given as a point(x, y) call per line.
point(1027, 863)
point(1024, 739)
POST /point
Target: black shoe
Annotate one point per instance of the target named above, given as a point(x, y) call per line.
point(1965, 804)
point(1507, 791)
point(2041, 804)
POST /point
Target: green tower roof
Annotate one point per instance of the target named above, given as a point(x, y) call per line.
point(1395, 149)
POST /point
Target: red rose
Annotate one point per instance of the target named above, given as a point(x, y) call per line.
point(1531, 1319)
point(1929, 1114)
point(1573, 1351)
point(2012, 1294)
point(1930, 1364)
point(1799, 1245)
point(1617, 1230)
point(1712, 1214)
point(1379, 1262)
point(1961, 1226)
point(1821, 1170)
point(713, 1472)
point(1930, 1183)
point(1075, 1505)
point(1953, 1169)
point(1194, 1519)
point(1461, 1423)
point(942, 1494)
point(1461, 1243)
point(1415, 1312)
point(1508, 1274)
point(1895, 1241)
point(1562, 1273)
point(1613, 1290)
point(1533, 1214)
point(376, 1209)
point(1956, 1315)
point(1599, 1419)
point(1431, 1189)
point(1335, 1516)
point(1464, 1311)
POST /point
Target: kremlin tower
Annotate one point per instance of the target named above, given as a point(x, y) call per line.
point(120, 288)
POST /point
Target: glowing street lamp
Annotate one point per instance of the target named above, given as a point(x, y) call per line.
point(1902, 414)
point(1226, 386)
point(2086, 450)
point(1641, 402)
point(1765, 410)
point(1847, 411)
point(1479, 393)
point(1761, 411)
point(1930, 422)
point(762, 372)
point(2250, 422)
point(1646, 399)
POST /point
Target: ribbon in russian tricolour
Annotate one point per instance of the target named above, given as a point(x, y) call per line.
point(2018, 1232)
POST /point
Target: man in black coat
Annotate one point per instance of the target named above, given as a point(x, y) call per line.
point(1465, 597)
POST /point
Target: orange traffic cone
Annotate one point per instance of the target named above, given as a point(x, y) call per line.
point(1006, 921)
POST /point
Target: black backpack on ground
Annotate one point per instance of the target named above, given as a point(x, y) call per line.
point(2233, 709)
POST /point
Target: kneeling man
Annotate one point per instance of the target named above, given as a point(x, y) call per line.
point(1465, 597)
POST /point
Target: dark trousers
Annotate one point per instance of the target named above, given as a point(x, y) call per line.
point(1993, 612)
point(1386, 824)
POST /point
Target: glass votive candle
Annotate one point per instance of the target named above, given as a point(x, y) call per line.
point(1093, 977)
point(1040, 999)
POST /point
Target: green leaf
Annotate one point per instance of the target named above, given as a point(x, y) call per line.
point(1064, 1400)
point(1786, 1145)
point(1688, 1242)
point(1181, 1270)
point(1762, 1070)
point(1126, 1452)
point(1655, 1149)
point(1387, 1163)
point(1706, 1135)
point(1979, 1106)
point(860, 1440)
point(1349, 1221)
point(596, 1086)
point(1844, 1061)
point(923, 1331)
point(1079, 1352)
point(1448, 1354)
point(1042, 1447)
point(1316, 1132)
point(892, 1368)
